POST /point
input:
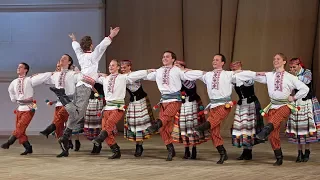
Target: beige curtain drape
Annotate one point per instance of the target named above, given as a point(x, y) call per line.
point(251, 31)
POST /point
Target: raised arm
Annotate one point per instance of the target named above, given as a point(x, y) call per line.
point(40, 78)
point(12, 93)
point(101, 48)
point(75, 45)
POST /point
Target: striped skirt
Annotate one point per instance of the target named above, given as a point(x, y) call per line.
point(301, 126)
point(138, 118)
point(247, 123)
point(185, 122)
point(92, 122)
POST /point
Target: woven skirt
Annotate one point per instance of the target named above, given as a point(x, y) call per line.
point(138, 118)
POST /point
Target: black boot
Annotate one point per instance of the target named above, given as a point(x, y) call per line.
point(10, 141)
point(94, 149)
point(279, 157)
point(300, 156)
point(116, 152)
point(194, 152)
point(139, 150)
point(64, 143)
point(48, 130)
point(244, 153)
point(78, 145)
point(186, 153)
point(223, 154)
point(61, 94)
point(100, 138)
point(263, 135)
point(70, 144)
point(28, 148)
point(171, 152)
point(248, 155)
point(203, 127)
point(306, 155)
point(155, 127)
point(98, 150)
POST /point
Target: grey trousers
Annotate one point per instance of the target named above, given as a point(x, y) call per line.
point(77, 107)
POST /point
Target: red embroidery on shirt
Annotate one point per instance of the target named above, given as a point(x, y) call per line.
point(215, 79)
point(278, 81)
point(165, 75)
point(111, 82)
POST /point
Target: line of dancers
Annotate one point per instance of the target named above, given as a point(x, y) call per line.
point(93, 103)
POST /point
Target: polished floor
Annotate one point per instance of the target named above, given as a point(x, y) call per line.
point(43, 164)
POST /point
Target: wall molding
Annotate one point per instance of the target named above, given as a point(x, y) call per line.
point(23, 7)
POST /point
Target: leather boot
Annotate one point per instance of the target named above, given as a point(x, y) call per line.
point(28, 148)
point(61, 94)
point(248, 155)
point(306, 155)
point(223, 154)
point(116, 152)
point(244, 153)
point(48, 130)
point(263, 135)
point(155, 127)
point(194, 152)
point(139, 150)
point(100, 138)
point(78, 145)
point(10, 141)
point(300, 156)
point(279, 157)
point(186, 153)
point(171, 152)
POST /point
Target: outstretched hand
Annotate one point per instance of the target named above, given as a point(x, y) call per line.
point(114, 32)
point(72, 36)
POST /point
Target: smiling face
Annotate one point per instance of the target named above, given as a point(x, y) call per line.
point(217, 62)
point(125, 68)
point(22, 70)
point(114, 67)
point(279, 61)
point(167, 59)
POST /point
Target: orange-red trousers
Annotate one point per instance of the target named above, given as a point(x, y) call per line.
point(166, 115)
point(276, 116)
point(110, 119)
point(60, 117)
point(23, 119)
point(216, 116)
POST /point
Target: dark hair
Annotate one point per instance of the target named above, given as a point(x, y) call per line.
point(85, 43)
point(70, 60)
point(223, 58)
point(26, 66)
point(173, 55)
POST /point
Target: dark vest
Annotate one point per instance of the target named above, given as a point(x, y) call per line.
point(99, 88)
point(245, 92)
point(310, 93)
point(137, 95)
point(191, 93)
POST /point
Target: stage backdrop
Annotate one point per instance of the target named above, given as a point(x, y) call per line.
point(36, 32)
point(250, 31)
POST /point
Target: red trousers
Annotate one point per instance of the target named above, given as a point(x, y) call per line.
point(276, 116)
point(23, 119)
point(166, 115)
point(110, 119)
point(216, 116)
point(60, 117)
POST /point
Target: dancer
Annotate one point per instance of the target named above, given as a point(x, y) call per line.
point(191, 115)
point(21, 92)
point(114, 87)
point(139, 115)
point(247, 119)
point(67, 79)
point(280, 85)
point(168, 79)
point(303, 126)
point(89, 61)
point(92, 120)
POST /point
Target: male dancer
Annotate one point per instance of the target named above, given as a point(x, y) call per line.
point(21, 92)
point(89, 62)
